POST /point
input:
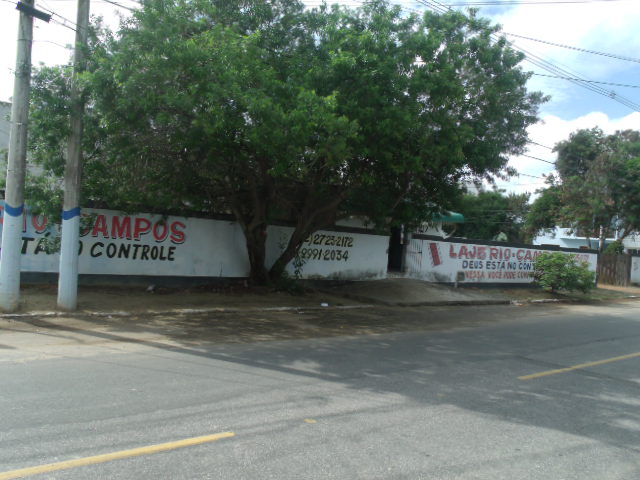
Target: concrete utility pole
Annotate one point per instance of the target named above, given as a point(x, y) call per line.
point(14, 192)
point(68, 278)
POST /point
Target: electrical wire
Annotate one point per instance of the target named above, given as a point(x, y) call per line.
point(66, 47)
point(64, 22)
point(540, 145)
point(594, 52)
point(120, 5)
point(536, 158)
point(524, 2)
point(589, 81)
point(548, 66)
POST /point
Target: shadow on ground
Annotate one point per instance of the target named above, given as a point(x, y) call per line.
point(429, 355)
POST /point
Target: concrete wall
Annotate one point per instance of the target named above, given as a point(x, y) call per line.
point(345, 254)
point(466, 261)
point(155, 245)
point(635, 269)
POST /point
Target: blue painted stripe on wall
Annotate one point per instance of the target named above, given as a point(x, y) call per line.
point(69, 214)
point(13, 211)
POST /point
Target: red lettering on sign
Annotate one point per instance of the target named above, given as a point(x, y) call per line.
point(39, 223)
point(160, 231)
point(121, 228)
point(142, 227)
point(177, 232)
point(100, 226)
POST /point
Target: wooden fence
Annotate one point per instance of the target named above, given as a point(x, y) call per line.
point(614, 269)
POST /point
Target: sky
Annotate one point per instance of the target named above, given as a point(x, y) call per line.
point(608, 26)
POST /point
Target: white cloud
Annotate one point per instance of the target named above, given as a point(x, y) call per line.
point(590, 25)
point(551, 130)
point(605, 27)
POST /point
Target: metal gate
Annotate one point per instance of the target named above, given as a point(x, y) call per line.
point(614, 269)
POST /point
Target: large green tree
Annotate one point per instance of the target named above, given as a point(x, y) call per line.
point(270, 111)
point(597, 190)
point(490, 215)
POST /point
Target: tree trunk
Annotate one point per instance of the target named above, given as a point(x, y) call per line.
point(313, 217)
point(256, 248)
point(297, 238)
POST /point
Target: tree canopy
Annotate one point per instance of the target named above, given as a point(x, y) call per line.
point(491, 215)
point(271, 111)
point(597, 191)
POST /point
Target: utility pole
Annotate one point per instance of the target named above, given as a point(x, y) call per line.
point(68, 277)
point(16, 165)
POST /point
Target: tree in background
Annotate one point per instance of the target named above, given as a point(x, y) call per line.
point(493, 215)
point(597, 192)
point(544, 212)
point(273, 112)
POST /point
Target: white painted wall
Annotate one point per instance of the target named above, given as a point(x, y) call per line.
point(147, 244)
point(439, 261)
point(632, 242)
point(334, 255)
point(635, 270)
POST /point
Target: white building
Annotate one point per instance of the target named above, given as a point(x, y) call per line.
point(562, 237)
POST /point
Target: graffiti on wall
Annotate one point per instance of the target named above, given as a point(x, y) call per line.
point(108, 235)
point(115, 243)
point(449, 262)
point(327, 247)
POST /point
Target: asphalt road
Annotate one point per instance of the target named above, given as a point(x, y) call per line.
point(454, 401)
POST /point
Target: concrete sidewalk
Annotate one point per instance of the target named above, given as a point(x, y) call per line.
point(124, 301)
point(121, 319)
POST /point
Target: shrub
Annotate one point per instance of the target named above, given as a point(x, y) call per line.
point(614, 248)
point(560, 271)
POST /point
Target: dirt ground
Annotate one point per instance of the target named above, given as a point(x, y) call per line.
point(138, 300)
point(398, 292)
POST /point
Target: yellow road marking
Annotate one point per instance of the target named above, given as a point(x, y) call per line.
point(575, 367)
point(310, 420)
point(108, 457)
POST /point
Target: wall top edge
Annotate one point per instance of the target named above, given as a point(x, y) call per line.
point(472, 241)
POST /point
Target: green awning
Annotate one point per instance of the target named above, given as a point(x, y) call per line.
point(448, 217)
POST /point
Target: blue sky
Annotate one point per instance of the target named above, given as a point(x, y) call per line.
point(605, 26)
point(609, 27)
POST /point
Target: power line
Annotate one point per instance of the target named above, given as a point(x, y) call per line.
point(546, 65)
point(575, 78)
point(589, 81)
point(66, 47)
point(499, 185)
point(532, 176)
point(540, 145)
point(539, 159)
point(64, 22)
point(120, 5)
point(604, 54)
point(524, 2)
